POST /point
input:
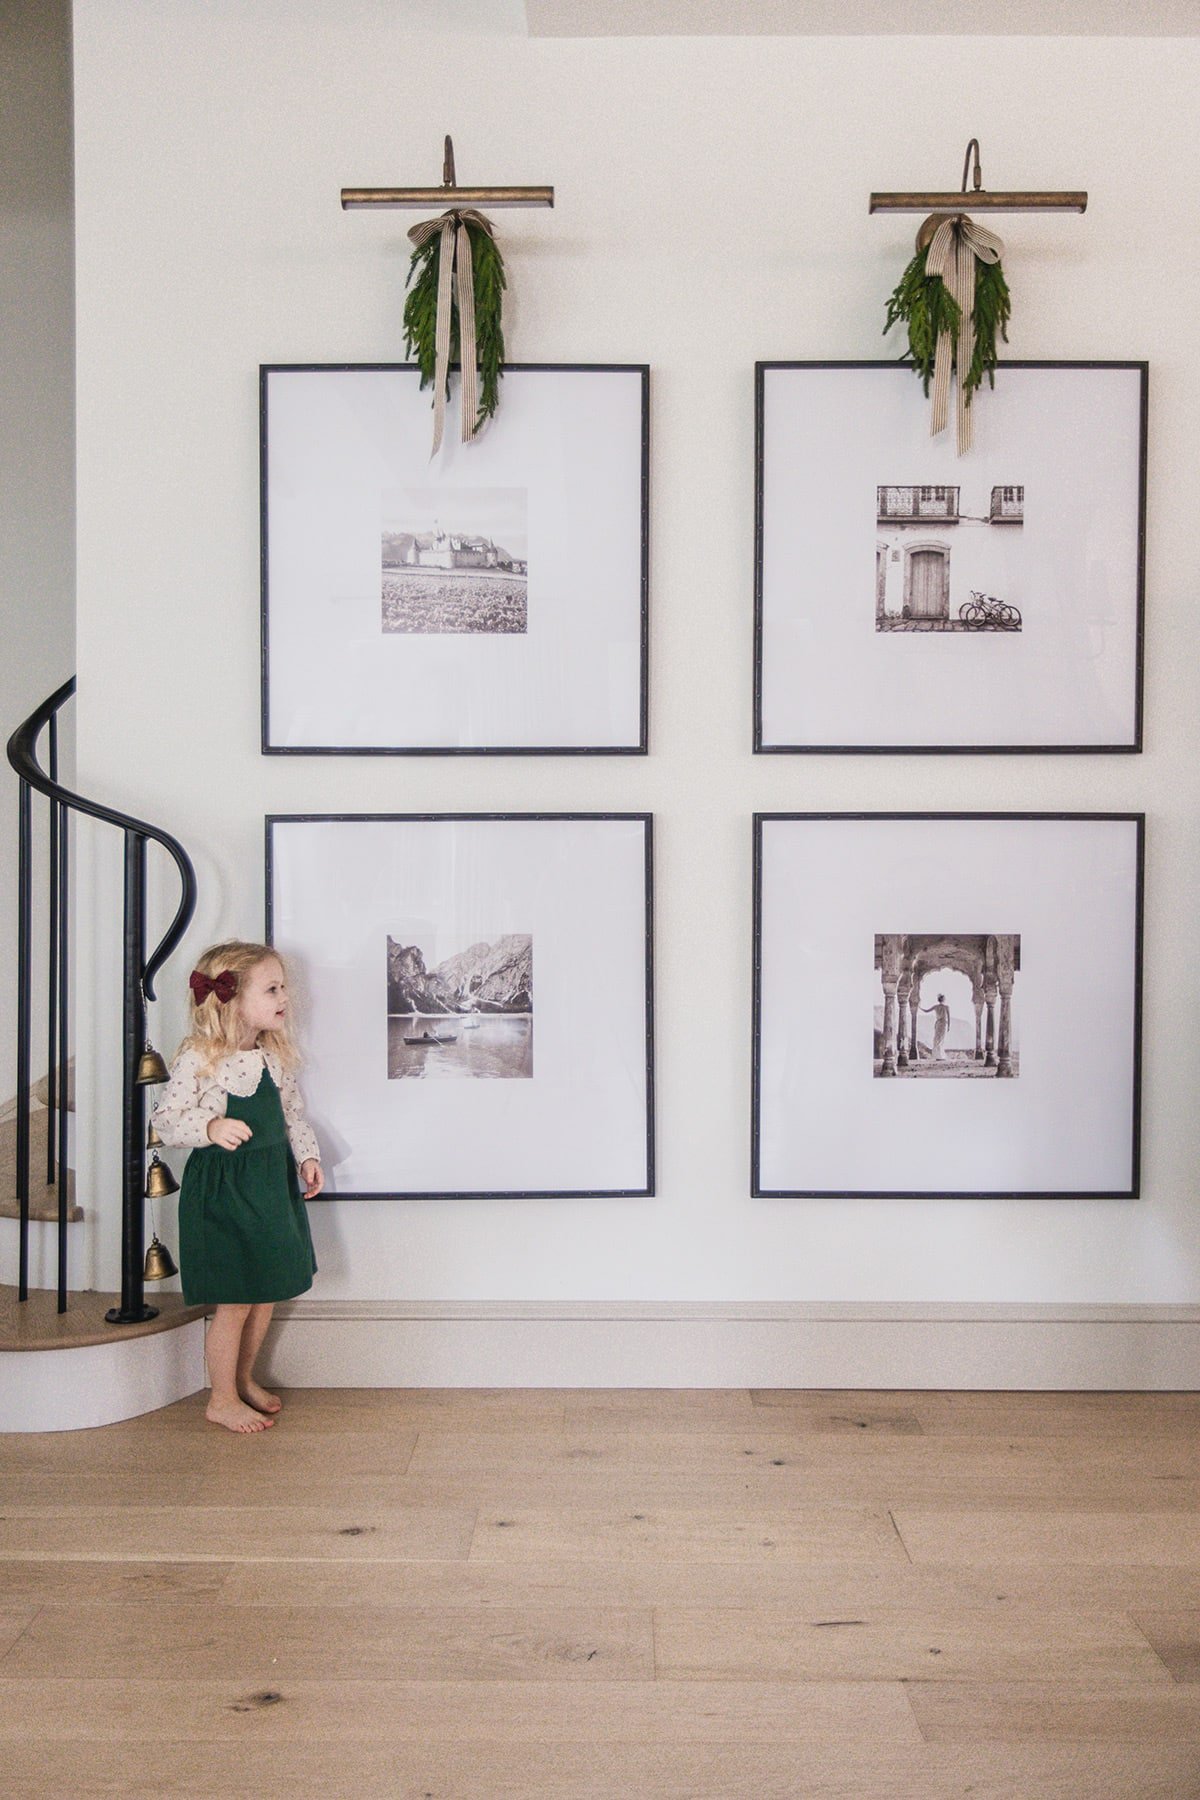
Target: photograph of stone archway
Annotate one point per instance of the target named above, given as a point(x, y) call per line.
point(931, 986)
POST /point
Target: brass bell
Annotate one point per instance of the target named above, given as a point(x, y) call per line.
point(159, 1262)
point(151, 1067)
point(159, 1180)
point(153, 1141)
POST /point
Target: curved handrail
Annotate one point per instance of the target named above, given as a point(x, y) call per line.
point(22, 755)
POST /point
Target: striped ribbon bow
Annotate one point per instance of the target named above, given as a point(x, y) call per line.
point(952, 254)
point(455, 257)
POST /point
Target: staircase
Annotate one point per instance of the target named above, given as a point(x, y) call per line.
point(43, 1199)
point(97, 1372)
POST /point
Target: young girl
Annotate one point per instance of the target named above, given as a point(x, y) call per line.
point(244, 1241)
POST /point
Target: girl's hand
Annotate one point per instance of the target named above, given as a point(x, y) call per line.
point(312, 1175)
point(228, 1133)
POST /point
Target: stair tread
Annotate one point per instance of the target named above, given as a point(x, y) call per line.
point(43, 1207)
point(36, 1323)
point(43, 1197)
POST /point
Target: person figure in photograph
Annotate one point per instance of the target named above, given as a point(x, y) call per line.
point(941, 1025)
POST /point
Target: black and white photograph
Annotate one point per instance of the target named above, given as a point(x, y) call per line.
point(1003, 1064)
point(908, 599)
point(412, 942)
point(490, 600)
point(948, 559)
point(455, 561)
point(470, 1014)
point(945, 1005)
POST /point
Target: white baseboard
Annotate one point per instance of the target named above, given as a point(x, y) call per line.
point(97, 1384)
point(499, 1344)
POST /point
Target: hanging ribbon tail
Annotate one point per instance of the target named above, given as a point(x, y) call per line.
point(953, 251)
point(466, 332)
point(454, 258)
point(441, 373)
point(964, 293)
point(939, 257)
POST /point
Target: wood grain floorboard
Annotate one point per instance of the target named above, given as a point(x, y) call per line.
point(1001, 1644)
point(350, 1533)
point(823, 1590)
point(267, 1644)
point(994, 1413)
point(689, 1534)
point(314, 1412)
point(1175, 1637)
point(605, 1771)
point(665, 1410)
point(14, 1620)
point(155, 1487)
point(553, 1711)
point(700, 1454)
point(846, 1414)
point(1165, 1539)
point(759, 1490)
point(1063, 1711)
point(40, 1583)
point(1094, 1416)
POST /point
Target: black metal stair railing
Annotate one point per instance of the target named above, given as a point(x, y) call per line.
point(137, 980)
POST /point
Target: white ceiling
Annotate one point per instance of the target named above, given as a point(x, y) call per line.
point(858, 18)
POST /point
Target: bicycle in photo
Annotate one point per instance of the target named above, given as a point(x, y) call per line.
point(985, 613)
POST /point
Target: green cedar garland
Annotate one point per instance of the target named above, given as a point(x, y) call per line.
point(993, 309)
point(420, 313)
point(927, 307)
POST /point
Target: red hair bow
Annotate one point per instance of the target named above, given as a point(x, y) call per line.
point(224, 986)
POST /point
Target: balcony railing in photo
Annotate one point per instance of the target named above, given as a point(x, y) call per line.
point(137, 985)
point(901, 505)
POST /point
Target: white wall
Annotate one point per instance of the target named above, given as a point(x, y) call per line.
point(37, 452)
point(711, 209)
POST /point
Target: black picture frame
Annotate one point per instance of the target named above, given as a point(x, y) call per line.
point(898, 897)
point(275, 824)
point(769, 740)
point(635, 704)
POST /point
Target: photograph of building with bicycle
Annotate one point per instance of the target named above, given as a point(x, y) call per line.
point(948, 558)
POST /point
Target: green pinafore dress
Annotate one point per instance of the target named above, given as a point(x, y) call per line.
point(243, 1228)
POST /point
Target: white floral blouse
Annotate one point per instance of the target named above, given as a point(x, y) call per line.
point(193, 1097)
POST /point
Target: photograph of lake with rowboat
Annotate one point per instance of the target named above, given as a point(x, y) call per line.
point(454, 560)
point(470, 1015)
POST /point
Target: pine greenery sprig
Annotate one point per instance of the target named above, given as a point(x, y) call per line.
point(420, 307)
point(420, 313)
point(488, 268)
point(993, 309)
point(927, 307)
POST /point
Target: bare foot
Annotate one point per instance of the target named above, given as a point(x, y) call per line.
point(260, 1397)
point(236, 1416)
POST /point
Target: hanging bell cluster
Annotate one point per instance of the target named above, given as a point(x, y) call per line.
point(160, 1182)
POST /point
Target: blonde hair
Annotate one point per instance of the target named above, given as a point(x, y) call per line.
point(216, 1025)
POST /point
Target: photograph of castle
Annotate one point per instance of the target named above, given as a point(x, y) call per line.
point(491, 601)
point(455, 560)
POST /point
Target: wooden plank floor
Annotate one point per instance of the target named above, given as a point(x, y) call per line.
point(609, 1596)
